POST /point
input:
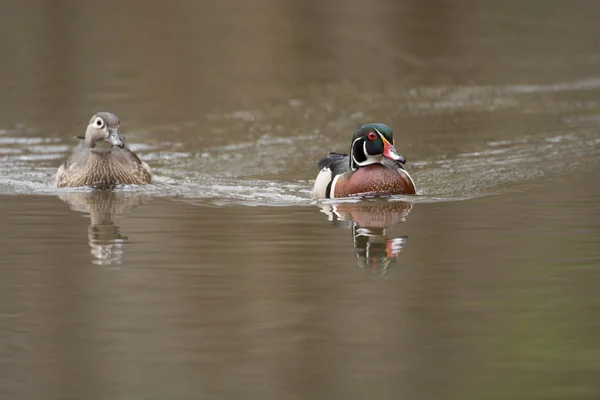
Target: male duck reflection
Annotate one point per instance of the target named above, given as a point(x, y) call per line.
point(102, 160)
point(373, 168)
point(375, 249)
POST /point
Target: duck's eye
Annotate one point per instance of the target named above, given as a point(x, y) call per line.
point(372, 136)
point(99, 122)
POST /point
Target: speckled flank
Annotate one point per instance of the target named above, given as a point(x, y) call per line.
point(375, 179)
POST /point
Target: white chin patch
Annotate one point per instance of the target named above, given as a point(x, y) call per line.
point(371, 160)
point(321, 183)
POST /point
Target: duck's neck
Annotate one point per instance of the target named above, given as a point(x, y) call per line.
point(102, 148)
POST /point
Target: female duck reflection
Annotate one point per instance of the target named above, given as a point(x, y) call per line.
point(374, 248)
point(105, 239)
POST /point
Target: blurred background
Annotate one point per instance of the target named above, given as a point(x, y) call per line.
point(224, 278)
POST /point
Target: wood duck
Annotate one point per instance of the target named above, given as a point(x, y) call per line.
point(102, 160)
point(373, 168)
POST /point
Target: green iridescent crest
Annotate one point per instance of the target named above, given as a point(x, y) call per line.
point(385, 130)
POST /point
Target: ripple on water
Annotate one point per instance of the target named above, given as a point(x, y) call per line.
point(184, 176)
point(495, 169)
point(273, 165)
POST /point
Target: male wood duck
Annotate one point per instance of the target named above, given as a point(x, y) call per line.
point(373, 168)
point(102, 160)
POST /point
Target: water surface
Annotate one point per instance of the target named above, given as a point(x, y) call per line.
point(224, 279)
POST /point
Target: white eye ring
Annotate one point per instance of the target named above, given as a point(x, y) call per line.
point(98, 123)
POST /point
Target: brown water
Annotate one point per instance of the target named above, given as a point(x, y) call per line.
point(224, 279)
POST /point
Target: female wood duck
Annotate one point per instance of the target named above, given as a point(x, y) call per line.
point(102, 160)
point(373, 168)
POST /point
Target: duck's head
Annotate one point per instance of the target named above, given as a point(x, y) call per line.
point(370, 144)
point(103, 128)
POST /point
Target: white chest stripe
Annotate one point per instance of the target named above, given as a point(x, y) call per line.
point(409, 177)
point(332, 191)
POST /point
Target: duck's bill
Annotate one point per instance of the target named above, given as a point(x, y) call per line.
point(390, 152)
point(115, 139)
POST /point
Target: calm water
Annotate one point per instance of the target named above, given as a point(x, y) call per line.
point(224, 279)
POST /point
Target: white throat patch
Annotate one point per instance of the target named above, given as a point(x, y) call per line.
point(370, 159)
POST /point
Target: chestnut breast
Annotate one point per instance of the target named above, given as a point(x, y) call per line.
point(375, 179)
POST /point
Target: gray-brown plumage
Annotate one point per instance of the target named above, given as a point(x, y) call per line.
point(102, 160)
point(107, 244)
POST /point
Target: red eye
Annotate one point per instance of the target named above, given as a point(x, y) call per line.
point(372, 136)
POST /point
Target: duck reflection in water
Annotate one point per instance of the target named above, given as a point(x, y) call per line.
point(369, 220)
point(105, 239)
